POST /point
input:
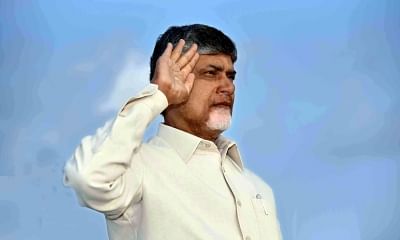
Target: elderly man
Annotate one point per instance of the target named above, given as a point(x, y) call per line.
point(187, 182)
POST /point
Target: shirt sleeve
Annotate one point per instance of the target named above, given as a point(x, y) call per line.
point(103, 170)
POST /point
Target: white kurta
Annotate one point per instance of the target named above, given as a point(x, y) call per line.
point(176, 186)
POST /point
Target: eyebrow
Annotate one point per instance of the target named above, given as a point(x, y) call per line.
point(219, 68)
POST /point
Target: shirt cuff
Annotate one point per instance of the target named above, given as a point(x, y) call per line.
point(135, 116)
point(151, 96)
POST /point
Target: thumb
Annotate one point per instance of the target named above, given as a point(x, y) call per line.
point(189, 82)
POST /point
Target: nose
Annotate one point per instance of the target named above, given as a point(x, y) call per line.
point(226, 87)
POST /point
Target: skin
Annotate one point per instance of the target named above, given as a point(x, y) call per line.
point(194, 85)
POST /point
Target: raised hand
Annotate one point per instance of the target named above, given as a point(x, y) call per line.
point(173, 72)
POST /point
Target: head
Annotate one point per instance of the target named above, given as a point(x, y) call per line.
point(208, 39)
point(207, 112)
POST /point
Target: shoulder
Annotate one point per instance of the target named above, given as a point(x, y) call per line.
point(158, 151)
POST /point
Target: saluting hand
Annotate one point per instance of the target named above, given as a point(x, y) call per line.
point(173, 72)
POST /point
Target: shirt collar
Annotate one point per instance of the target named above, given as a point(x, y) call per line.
point(182, 142)
point(185, 144)
point(229, 147)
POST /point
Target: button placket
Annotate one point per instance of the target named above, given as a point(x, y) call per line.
point(246, 221)
point(258, 196)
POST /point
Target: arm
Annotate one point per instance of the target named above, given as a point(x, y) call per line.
point(104, 170)
point(100, 169)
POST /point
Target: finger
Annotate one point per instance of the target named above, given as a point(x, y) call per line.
point(176, 53)
point(190, 66)
point(168, 50)
point(185, 58)
point(189, 82)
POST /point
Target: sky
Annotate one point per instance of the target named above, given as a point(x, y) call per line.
point(316, 112)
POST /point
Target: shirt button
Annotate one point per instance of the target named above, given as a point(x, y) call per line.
point(239, 203)
point(258, 196)
point(208, 145)
point(248, 238)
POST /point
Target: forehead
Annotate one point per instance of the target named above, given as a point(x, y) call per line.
point(220, 60)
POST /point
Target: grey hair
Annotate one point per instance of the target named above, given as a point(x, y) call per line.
point(209, 40)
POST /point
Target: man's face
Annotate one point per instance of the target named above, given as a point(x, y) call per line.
point(209, 107)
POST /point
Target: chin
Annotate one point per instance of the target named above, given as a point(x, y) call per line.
point(219, 119)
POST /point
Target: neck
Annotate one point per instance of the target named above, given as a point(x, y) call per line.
point(198, 130)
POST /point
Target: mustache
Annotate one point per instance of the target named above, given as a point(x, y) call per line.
point(228, 102)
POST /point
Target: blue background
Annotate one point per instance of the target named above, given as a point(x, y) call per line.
point(316, 115)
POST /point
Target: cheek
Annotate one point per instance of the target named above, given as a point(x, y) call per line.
point(200, 100)
point(202, 109)
point(196, 109)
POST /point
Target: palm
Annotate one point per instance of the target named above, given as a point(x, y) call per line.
point(178, 78)
point(173, 72)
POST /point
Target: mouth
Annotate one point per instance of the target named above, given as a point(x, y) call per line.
point(226, 105)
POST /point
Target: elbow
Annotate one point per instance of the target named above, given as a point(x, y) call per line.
point(83, 182)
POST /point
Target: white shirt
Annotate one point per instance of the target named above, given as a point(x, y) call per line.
point(176, 186)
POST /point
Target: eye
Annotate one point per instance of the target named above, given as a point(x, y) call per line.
point(210, 73)
point(231, 77)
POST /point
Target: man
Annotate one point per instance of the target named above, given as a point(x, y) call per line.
point(188, 182)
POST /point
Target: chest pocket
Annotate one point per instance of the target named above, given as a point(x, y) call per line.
point(266, 218)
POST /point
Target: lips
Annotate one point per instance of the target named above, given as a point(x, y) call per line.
point(223, 104)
